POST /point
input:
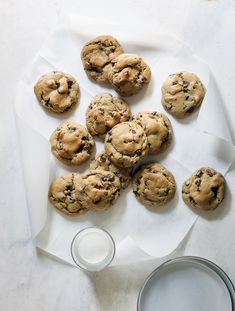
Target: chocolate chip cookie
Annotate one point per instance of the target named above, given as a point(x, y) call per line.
point(128, 74)
point(71, 143)
point(104, 112)
point(182, 94)
point(63, 194)
point(99, 190)
point(126, 143)
point(204, 190)
point(57, 91)
point(153, 184)
point(97, 54)
point(102, 162)
point(157, 128)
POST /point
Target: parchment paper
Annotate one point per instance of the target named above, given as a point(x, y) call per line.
point(203, 139)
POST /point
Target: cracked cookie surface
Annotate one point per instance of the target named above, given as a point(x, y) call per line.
point(99, 190)
point(63, 194)
point(182, 94)
point(128, 74)
point(157, 128)
point(126, 143)
point(71, 143)
point(204, 190)
point(153, 184)
point(104, 112)
point(57, 91)
point(102, 161)
point(97, 54)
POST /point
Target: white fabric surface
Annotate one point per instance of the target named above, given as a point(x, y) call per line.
point(31, 280)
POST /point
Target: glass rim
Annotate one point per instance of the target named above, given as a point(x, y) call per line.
point(87, 269)
point(194, 259)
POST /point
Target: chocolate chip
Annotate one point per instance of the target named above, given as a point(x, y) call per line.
point(97, 201)
point(136, 193)
point(47, 103)
point(87, 146)
point(84, 138)
point(133, 131)
point(103, 158)
point(199, 173)
point(187, 183)
point(138, 152)
point(59, 145)
point(190, 110)
point(185, 83)
point(209, 173)
point(57, 84)
point(107, 178)
point(168, 106)
point(174, 82)
point(198, 182)
point(71, 129)
point(192, 201)
point(166, 192)
point(70, 83)
point(187, 97)
point(215, 191)
point(69, 188)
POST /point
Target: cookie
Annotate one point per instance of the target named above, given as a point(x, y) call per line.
point(97, 54)
point(71, 143)
point(102, 161)
point(204, 190)
point(104, 112)
point(99, 190)
point(182, 94)
point(153, 184)
point(126, 143)
point(128, 74)
point(157, 128)
point(57, 91)
point(63, 194)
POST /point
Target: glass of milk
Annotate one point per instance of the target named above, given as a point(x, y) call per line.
point(92, 249)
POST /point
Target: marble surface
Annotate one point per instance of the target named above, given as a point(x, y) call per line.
point(30, 280)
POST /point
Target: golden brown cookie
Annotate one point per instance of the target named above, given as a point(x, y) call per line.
point(57, 91)
point(63, 194)
point(128, 74)
point(204, 190)
point(105, 111)
point(153, 184)
point(182, 94)
point(97, 54)
point(99, 190)
point(71, 143)
point(102, 161)
point(158, 130)
point(126, 143)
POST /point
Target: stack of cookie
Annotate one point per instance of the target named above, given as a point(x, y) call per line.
point(127, 139)
point(104, 61)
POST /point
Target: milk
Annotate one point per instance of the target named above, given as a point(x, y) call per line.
point(93, 249)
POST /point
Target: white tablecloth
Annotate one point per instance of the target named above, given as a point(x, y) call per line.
point(30, 280)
